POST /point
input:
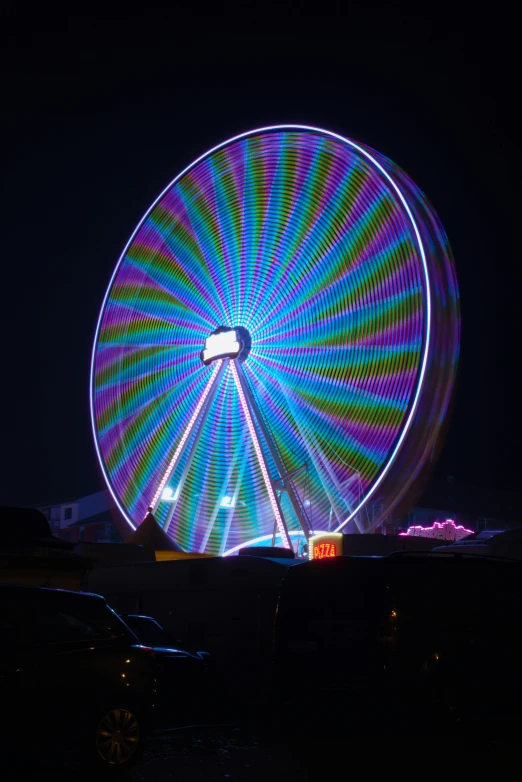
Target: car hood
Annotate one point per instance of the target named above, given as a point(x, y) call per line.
point(170, 651)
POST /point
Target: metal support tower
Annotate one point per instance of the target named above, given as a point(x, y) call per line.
point(256, 426)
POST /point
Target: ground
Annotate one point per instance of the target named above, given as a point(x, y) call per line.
point(240, 753)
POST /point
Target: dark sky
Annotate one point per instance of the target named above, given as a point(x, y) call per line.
point(100, 112)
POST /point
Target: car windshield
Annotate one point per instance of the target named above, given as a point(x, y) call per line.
point(147, 630)
point(53, 617)
point(486, 534)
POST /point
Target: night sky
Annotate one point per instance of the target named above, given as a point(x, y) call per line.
point(100, 112)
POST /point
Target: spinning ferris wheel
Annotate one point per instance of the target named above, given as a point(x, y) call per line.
point(276, 349)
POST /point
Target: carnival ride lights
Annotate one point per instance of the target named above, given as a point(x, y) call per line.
point(319, 283)
point(445, 530)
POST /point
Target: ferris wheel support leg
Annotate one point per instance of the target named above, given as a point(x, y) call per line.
point(285, 481)
point(274, 499)
point(317, 463)
point(203, 415)
point(321, 464)
point(216, 375)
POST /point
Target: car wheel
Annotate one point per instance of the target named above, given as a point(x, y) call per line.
point(118, 739)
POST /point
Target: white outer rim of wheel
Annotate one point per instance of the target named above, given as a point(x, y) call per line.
point(427, 332)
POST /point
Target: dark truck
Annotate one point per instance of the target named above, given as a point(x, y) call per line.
point(407, 641)
point(431, 638)
point(74, 679)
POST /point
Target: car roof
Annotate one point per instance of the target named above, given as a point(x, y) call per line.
point(400, 562)
point(26, 590)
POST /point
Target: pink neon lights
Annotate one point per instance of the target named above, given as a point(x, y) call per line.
point(445, 530)
point(257, 447)
point(179, 450)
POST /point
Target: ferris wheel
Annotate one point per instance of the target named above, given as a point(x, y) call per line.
point(277, 346)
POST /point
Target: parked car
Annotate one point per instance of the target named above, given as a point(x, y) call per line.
point(72, 677)
point(405, 641)
point(489, 543)
point(186, 682)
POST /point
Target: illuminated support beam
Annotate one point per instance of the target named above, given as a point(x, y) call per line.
point(203, 415)
point(253, 417)
point(218, 371)
point(284, 477)
point(274, 499)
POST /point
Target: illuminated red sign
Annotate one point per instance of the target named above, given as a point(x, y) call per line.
point(324, 550)
point(326, 546)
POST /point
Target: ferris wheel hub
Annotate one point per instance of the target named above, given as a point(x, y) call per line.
point(227, 342)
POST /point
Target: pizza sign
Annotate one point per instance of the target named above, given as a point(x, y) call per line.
point(325, 546)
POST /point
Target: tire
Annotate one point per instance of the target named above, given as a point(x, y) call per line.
point(114, 740)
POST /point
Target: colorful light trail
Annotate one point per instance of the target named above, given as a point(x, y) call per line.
point(334, 262)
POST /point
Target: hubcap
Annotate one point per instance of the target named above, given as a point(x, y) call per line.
point(117, 736)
